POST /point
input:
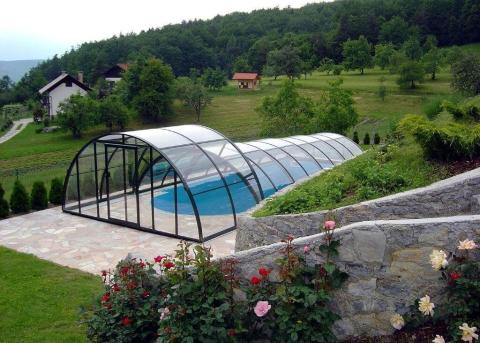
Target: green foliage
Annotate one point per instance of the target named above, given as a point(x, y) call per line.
point(382, 89)
point(376, 138)
point(19, 200)
point(289, 113)
point(366, 139)
point(412, 49)
point(337, 69)
point(357, 54)
point(241, 65)
point(432, 61)
point(355, 137)
point(214, 79)
point(55, 194)
point(77, 114)
point(466, 111)
point(466, 75)
point(450, 141)
point(394, 31)
point(149, 86)
point(410, 72)
point(193, 94)
point(39, 198)
point(326, 65)
point(4, 208)
point(200, 306)
point(113, 113)
point(128, 309)
point(461, 278)
point(284, 61)
point(298, 301)
point(376, 173)
point(433, 107)
point(383, 54)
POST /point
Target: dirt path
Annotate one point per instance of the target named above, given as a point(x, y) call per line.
point(13, 130)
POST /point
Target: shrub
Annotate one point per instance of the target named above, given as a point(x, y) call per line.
point(19, 200)
point(376, 138)
point(337, 69)
point(460, 272)
point(39, 196)
point(128, 309)
point(355, 137)
point(451, 141)
point(56, 191)
point(433, 107)
point(4, 208)
point(366, 139)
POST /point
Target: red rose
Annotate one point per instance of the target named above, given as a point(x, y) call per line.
point(105, 297)
point(126, 321)
point(131, 285)
point(231, 332)
point(124, 271)
point(264, 272)
point(255, 280)
point(159, 259)
point(455, 276)
point(169, 264)
point(141, 264)
point(116, 287)
point(104, 273)
point(146, 294)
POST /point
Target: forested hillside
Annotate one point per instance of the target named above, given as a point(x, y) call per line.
point(317, 30)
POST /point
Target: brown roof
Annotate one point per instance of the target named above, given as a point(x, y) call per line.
point(245, 76)
point(124, 66)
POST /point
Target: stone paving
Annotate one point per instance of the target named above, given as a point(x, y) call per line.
point(87, 244)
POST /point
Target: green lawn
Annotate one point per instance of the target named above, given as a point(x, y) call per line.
point(40, 301)
point(40, 156)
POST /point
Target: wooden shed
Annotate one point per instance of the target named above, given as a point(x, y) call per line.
point(247, 80)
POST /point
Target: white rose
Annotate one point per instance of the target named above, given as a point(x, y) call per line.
point(438, 259)
point(397, 321)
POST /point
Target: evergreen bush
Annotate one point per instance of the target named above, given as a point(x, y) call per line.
point(39, 196)
point(376, 138)
point(19, 200)
point(4, 208)
point(366, 139)
point(355, 137)
point(56, 191)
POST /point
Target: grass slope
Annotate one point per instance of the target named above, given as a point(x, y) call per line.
point(232, 112)
point(40, 301)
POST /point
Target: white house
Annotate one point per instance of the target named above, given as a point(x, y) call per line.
point(61, 89)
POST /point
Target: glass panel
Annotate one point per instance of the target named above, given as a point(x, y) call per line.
point(160, 138)
point(196, 133)
point(339, 147)
point(275, 171)
point(267, 186)
point(88, 188)
point(245, 147)
point(277, 142)
point(350, 145)
point(318, 155)
point(307, 162)
point(328, 150)
point(71, 195)
point(289, 163)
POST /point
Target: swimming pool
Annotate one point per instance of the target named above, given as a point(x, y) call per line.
point(210, 196)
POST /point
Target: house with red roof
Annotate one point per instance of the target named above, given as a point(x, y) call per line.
point(247, 80)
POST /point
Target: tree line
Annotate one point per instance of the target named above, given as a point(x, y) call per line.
point(245, 40)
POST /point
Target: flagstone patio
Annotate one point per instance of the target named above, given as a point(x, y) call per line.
point(87, 244)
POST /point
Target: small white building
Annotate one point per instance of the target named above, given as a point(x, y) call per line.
point(60, 89)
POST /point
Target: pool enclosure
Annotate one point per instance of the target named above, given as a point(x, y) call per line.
point(189, 181)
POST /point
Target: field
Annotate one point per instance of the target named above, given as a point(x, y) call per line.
point(34, 156)
point(40, 301)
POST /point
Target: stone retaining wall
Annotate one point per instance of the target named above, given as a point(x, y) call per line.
point(454, 196)
point(388, 264)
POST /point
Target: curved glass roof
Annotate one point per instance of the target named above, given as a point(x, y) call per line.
point(190, 181)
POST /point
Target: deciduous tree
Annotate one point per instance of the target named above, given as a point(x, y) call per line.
point(466, 75)
point(77, 113)
point(357, 54)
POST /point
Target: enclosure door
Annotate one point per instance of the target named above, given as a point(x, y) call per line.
point(122, 191)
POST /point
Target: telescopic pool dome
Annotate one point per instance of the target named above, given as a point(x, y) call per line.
point(189, 181)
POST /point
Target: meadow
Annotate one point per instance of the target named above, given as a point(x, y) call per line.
point(41, 156)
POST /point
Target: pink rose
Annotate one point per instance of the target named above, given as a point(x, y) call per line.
point(262, 308)
point(329, 225)
point(306, 249)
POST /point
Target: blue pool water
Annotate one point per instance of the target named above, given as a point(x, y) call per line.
point(210, 196)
